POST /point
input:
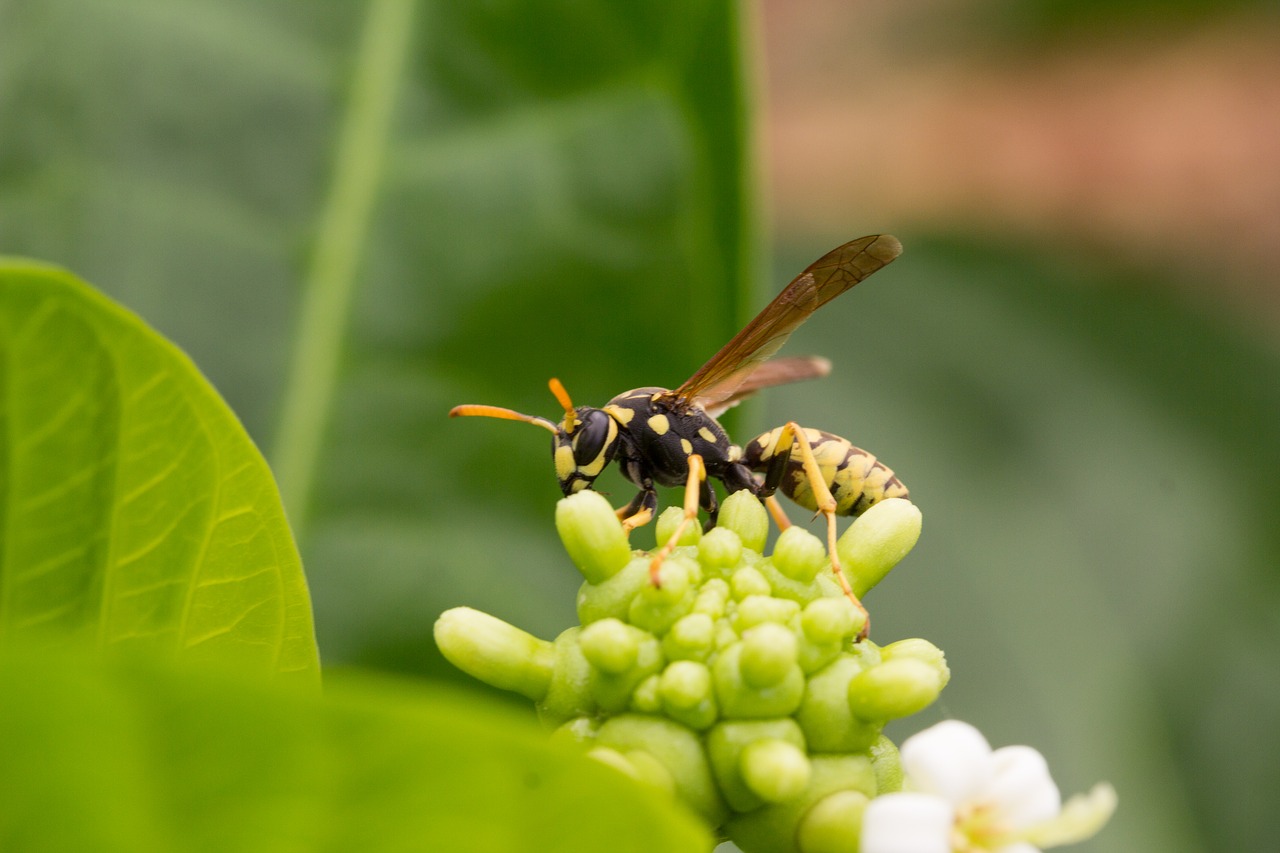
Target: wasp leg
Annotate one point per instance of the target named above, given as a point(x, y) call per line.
point(639, 511)
point(777, 512)
point(777, 466)
point(709, 503)
point(692, 493)
point(826, 505)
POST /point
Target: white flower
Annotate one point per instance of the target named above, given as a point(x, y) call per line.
point(965, 798)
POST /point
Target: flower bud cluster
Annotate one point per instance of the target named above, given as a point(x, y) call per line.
point(737, 682)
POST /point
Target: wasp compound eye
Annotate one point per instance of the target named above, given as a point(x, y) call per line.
point(590, 437)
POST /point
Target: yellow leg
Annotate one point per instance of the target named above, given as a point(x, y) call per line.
point(692, 488)
point(826, 504)
point(640, 519)
point(777, 512)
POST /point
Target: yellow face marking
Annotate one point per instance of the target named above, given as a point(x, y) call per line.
point(686, 446)
point(564, 462)
point(735, 453)
point(621, 414)
point(707, 435)
point(597, 465)
point(659, 424)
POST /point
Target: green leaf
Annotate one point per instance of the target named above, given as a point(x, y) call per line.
point(141, 757)
point(134, 511)
point(560, 189)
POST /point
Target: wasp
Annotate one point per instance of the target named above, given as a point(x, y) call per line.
point(661, 437)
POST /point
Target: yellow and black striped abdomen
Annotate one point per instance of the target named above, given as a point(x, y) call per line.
point(856, 478)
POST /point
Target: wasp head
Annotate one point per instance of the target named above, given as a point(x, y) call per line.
point(585, 441)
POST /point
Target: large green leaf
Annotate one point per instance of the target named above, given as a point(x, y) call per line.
point(134, 511)
point(356, 216)
point(139, 757)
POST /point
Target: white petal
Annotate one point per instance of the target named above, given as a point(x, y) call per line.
point(1081, 818)
point(907, 823)
point(951, 759)
point(1019, 847)
point(1021, 789)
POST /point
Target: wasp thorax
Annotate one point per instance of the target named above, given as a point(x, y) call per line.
point(586, 441)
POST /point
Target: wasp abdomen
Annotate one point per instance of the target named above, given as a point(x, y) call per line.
point(856, 478)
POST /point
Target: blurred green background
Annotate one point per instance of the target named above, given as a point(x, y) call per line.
point(355, 216)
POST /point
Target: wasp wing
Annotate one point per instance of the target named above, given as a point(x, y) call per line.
point(826, 278)
point(778, 371)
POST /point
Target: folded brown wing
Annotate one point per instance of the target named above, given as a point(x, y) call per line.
point(720, 379)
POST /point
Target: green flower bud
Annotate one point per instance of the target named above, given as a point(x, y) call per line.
point(612, 689)
point(921, 650)
point(887, 765)
point(719, 549)
point(776, 826)
point(577, 730)
point(801, 592)
point(726, 634)
point(877, 540)
point(768, 654)
point(686, 694)
point(495, 652)
point(610, 645)
point(656, 608)
point(799, 554)
point(775, 770)
point(825, 715)
point(647, 697)
point(759, 609)
point(829, 620)
point(893, 689)
point(743, 513)
point(833, 825)
point(813, 656)
point(734, 681)
point(826, 627)
point(691, 637)
point(592, 534)
point(675, 580)
point(748, 581)
point(569, 693)
point(728, 742)
point(669, 520)
point(638, 764)
point(612, 597)
point(685, 683)
point(678, 750)
point(650, 770)
point(613, 758)
point(741, 700)
point(712, 598)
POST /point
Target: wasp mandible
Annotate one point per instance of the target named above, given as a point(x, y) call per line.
point(672, 438)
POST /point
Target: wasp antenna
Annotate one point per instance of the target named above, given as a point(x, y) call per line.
point(570, 416)
point(504, 414)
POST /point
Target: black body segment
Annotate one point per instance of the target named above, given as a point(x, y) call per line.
point(656, 436)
